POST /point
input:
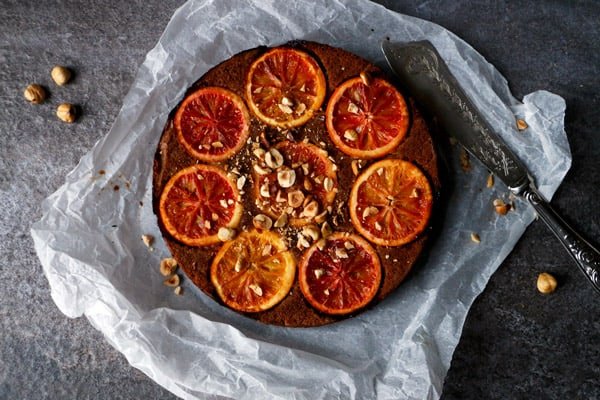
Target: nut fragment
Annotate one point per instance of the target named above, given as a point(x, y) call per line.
point(34, 93)
point(368, 211)
point(281, 221)
point(261, 221)
point(365, 77)
point(168, 266)
point(501, 207)
point(328, 184)
point(490, 181)
point(260, 170)
point(311, 231)
point(241, 181)
point(321, 217)
point(521, 124)
point(302, 242)
point(256, 289)
point(273, 158)
point(475, 237)
point(225, 234)
point(259, 152)
point(311, 209)
point(341, 253)
point(287, 102)
point(354, 166)
point(172, 281)
point(546, 283)
point(295, 198)
point(178, 290)
point(148, 240)
point(264, 190)
point(352, 108)
point(414, 193)
point(217, 145)
point(348, 245)
point(318, 273)
point(60, 75)
point(66, 112)
point(321, 244)
point(350, 134)
point(286, 178)
point(326, 229)
point(285, 109)
point(300, 108)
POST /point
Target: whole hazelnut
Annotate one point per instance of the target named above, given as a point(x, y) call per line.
point(66, 112)
point(546, 283)
point(34, 93)
point(61, 75)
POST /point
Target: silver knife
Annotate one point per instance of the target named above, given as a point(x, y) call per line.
point(426, 76)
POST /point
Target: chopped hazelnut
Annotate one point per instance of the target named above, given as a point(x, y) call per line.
point(224, 234)
point(311, 231)
point(241, 181)
point(326, 229)
point(263, 222)
point(281, 221)
point(311, 209)
point(273, 158)
point(66, 112)
point(328, 184)
point(521, 125)
point(178, 290)
point(295, 198)
point(148, 240)
point(60, 75)
point(35, 93)
point(286, 178)
point(546, 283)
point(256, 289)
point(475, 237)
point(172, 281)
point(168, 266)
point(365, 77)
point(490, 181)
point(260, 170)
point(501, 207)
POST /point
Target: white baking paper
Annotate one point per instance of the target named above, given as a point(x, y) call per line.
point(88, 239)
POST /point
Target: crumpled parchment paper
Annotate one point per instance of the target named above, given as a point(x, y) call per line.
point(88, 239)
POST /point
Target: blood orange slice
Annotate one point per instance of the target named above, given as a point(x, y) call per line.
point(340, 274)
point(212, 124)
point(284, 87)
point(302, 183)
point(253, 272)
point(390, 203)
point(367, 118)
point(196, 202)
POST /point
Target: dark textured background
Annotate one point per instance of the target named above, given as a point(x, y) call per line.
point(516, 344)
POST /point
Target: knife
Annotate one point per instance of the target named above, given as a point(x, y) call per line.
point(424, 73)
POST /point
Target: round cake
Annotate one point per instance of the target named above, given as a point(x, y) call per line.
point(296, 184)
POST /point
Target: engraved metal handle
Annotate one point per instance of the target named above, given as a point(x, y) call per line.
point(585, 255)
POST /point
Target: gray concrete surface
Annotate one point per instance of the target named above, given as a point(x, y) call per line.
point(516, 344)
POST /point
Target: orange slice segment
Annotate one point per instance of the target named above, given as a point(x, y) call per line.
point(196, 202)
point(284, 87)
point(253, 272)
point(212, 124)
point(340, 274)
point(367, 118)
point(390, 203)
point(302, 186)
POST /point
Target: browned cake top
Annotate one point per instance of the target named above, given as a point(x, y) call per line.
point(338, 66)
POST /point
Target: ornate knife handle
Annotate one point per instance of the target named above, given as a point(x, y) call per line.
point(585, 255)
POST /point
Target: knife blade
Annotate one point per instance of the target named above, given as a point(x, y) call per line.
point(426, 76)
